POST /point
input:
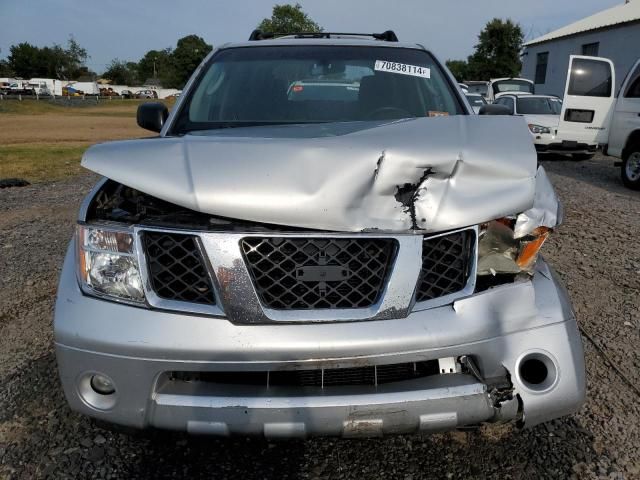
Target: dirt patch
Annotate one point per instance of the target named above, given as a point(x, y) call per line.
point(53, 128)
point(42, 142)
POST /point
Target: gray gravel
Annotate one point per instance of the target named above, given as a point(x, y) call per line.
point(596, 252)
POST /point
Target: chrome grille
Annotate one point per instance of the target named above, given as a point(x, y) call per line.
point(318, 273)
point(177, 270)
point(446, 264)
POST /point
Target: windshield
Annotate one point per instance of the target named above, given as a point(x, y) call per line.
point(476, 100)
point(479, 88)
point(539, 106)
point(311, 84)
point(513, 86)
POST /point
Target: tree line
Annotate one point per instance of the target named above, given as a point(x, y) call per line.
point(497, 54)
point(171, 67)
point(28, 61)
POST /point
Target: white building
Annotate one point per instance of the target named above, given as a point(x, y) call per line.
point(612, 33)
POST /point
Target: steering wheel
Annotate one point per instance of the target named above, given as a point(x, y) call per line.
point(386, 113)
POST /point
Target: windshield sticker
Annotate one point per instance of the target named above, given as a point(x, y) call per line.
point(402, 68)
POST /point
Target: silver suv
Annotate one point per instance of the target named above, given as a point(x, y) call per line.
point(358, 259)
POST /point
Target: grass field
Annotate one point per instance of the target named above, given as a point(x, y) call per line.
point(41, 141)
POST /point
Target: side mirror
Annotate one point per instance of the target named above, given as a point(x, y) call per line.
point(152, 115)
point(493, 109)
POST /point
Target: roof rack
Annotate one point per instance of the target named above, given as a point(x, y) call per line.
point(388, 36)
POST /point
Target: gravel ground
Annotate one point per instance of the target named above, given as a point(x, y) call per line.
point(596, 252)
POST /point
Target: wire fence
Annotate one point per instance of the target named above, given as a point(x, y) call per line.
point(69, 99)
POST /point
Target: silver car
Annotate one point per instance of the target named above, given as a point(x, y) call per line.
point(328, 264)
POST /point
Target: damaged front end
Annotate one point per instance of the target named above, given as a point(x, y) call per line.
point(283, 289)
point(508, 247)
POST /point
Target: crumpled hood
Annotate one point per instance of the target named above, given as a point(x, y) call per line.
point(430, 174)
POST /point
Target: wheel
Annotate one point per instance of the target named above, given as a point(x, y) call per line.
point(582, 156)
point(630, 170)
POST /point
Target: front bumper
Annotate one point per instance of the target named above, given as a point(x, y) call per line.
point(564, 147)
point(135, 348)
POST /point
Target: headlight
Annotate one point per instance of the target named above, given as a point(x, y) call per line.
point(537, 129)
point(499, 252)
point(107, 265)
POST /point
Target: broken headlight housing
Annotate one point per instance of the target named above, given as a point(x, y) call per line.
point(107, 263)
point(501, 253)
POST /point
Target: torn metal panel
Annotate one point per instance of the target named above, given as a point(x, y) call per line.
point(547, 209)
point(498, 251)
point(461, 170)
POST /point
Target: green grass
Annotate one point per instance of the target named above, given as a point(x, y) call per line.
point(116, 108)
point(41, 162)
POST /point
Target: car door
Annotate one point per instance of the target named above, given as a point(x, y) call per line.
point(626, 115)
point(589, 98)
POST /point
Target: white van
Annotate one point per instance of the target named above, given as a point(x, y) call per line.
point(592, 113)
point(46, 86)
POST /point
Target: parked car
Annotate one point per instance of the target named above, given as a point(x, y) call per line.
point(476, 100)
point(593, 113)
point(479, 87)
point(128, 94)
point(146, 94)
point(624, 136)
point(464, 87)
point(503, 86)
point(294, 267)
point(542, 114)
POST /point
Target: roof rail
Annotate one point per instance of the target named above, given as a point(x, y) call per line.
point(388, 36)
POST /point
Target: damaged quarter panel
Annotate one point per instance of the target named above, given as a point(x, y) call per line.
point(453, 171)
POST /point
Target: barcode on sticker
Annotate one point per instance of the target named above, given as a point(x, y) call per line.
point(402, 68)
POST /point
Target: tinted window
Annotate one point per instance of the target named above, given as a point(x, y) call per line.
point(541, 68)
point(513, 86)
point(633, 90)
point(507, 102)
point(309, 84)
point(591, 49)
point(539, 106)
point(590, 78)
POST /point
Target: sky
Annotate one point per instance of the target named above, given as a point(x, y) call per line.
point(125, 29)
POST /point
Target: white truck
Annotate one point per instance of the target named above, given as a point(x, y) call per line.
point(592, 113)
point(46, 86)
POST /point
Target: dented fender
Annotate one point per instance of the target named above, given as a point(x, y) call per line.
point(546, 211)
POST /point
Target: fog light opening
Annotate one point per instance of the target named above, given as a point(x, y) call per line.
point(102, 385)
point(534, 371)
point(537, 371)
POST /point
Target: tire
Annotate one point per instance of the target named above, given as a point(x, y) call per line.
point(630, 170)
point(579, 157)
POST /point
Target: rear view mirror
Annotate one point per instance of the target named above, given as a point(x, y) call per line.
point(493, 109)
point(152, 115)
